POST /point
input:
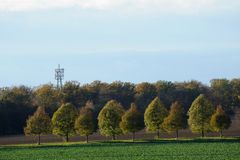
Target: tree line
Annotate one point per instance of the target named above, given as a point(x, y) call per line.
point(113, 120)
point(19, 102)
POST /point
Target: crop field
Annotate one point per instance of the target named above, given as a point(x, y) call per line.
point(214, 149)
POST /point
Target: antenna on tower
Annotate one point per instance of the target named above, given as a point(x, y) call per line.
point(59, 75)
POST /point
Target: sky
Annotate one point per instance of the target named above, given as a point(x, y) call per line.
point(127, 40)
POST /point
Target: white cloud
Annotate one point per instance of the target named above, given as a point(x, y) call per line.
point(185, 6)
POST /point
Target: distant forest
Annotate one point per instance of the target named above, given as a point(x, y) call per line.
point(19, 102)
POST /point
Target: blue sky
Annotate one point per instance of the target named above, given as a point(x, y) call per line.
point(127, 40)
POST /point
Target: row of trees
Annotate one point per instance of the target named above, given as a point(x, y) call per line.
point(114, 120)
point(17, 103)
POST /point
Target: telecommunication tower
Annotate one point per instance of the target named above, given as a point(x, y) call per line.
point(59, 75)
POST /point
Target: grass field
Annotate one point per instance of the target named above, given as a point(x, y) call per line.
point(197, 149)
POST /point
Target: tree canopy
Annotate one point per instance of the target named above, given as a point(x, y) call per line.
point(17, 103)
point(63, 121)
point(175, 120)
point(154, 115)
point(48, 97)
point(109, 119)
point(85, 123)
point(220, 120)
point(200, 114)
point(132, 121)
point(38, 124)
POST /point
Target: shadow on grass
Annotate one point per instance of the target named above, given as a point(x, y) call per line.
point(122, 143)
point(197, 140)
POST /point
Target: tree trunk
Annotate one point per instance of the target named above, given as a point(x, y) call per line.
point(67, 139)
point(39, 139)
point(158, 133)
point(203, 134)
point(113, 137)
point(87, 138)
point(177, 134)
point(133, 136)
point(221, 134)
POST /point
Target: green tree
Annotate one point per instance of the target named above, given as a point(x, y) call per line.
point(220, 120)
point(109, 119)
point(200, 114)
point(16, 107)
point(166, 91)
point(21, 95)
point(38, 124)
point(73, 93)
point(94, 91)
point(187, 92)
point(48, 97)
point(222, 93)
point(235, 85)
point(132, 121)
point(175, 120)
point(85, 123)
point(63, 121)
point(144, 94)
point(122, 92)
point(154, 116)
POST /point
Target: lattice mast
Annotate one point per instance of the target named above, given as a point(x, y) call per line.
point(59, 75)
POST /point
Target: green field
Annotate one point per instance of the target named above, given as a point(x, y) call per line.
point(149, 150)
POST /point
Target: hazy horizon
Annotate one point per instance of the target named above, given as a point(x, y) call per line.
point(133, 68)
